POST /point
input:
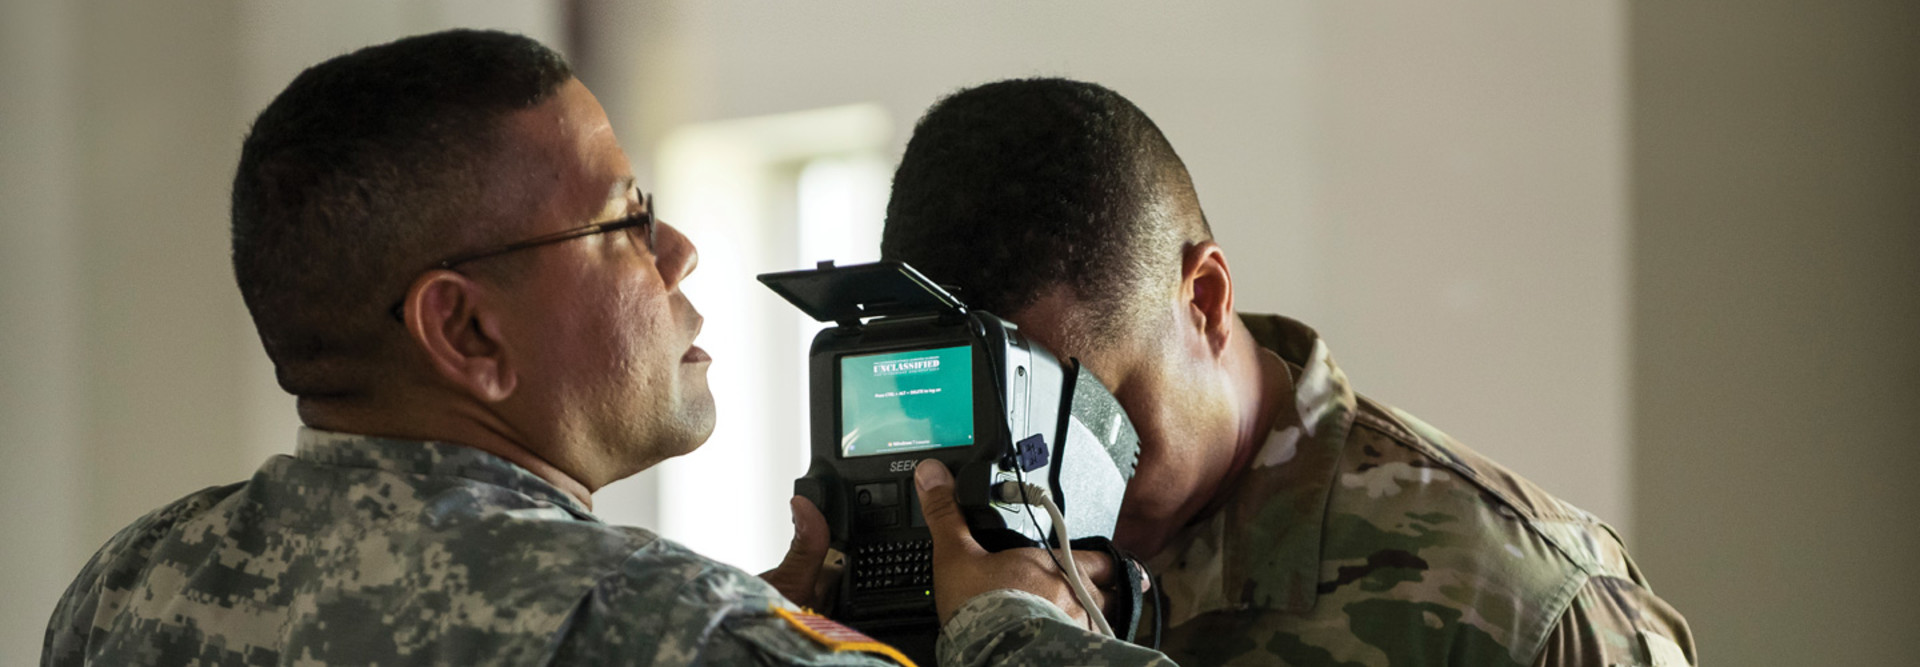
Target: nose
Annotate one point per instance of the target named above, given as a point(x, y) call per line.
point(674, 253)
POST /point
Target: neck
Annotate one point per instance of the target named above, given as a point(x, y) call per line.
point(1198, 481)
point(1260, 382)
point(469, 427)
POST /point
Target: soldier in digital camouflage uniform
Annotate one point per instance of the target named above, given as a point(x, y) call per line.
point(1360, 535)
point(437, 509)
point(1290, 520)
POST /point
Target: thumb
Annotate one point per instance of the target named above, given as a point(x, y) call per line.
point(809, 545)
point(795, 575)
point(949, 529)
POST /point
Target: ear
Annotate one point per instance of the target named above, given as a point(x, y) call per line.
point(1207, 286)
point(450, 317)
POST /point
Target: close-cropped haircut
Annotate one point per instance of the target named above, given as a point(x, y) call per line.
point(1011, 189)
point(356, 178)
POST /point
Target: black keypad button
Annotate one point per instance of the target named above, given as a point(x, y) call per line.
point(882, 566)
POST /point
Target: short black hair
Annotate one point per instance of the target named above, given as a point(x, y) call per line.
point(1009, 189)
point(355, 177)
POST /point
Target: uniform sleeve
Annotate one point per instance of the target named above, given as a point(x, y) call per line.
point(716, 616)
point(70, 627)
point(681, 609)
point(1618, 621)
point(1009, 628)
point(109, 578)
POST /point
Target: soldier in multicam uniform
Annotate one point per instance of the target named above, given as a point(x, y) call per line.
point(1290, 520)
point(437, 510)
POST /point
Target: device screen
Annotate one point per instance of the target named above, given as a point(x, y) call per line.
point(906, 401)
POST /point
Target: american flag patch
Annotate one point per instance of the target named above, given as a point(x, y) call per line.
point(837, 637)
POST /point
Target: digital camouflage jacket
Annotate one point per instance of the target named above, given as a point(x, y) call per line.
point(367, 551)
point(1360, 536)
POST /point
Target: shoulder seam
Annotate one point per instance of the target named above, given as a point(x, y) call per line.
point(1405, 438)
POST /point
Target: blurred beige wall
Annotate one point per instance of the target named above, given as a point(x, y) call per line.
point(40, 508)
point(1468, 186)
point(1776, 179)
point(129, 372)
point(125, 345)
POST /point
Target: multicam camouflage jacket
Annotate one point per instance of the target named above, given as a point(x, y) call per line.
point(1361, 536)
point(366, 551)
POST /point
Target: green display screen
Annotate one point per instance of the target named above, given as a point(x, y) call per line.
point(906, 401)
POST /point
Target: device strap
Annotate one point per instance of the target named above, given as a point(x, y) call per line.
point(1127, 583)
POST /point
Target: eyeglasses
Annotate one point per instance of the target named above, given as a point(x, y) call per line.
point(639, 226)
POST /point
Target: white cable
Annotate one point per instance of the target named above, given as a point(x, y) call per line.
point(1010, 492)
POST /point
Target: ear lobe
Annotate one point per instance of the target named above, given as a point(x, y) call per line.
point(1207, 284)
point(449, 317)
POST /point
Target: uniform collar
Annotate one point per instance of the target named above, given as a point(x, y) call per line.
point(431, 459)
point(1262, 549)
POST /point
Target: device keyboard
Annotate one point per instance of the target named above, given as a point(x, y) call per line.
point(887, 565)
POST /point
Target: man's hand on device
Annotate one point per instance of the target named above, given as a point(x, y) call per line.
point(963, 569)
point(803, 575)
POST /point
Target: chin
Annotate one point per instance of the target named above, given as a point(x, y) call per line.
point(697, 402)
point(696, 419)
